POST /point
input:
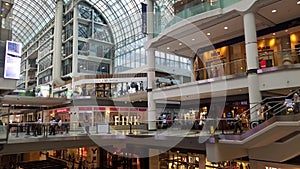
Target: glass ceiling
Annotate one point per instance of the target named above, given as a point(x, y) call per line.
point(29, 17)
point(124, 18)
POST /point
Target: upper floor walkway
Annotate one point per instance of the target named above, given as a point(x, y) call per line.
point(217, 137)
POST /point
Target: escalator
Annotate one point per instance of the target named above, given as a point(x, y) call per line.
point(267, 140)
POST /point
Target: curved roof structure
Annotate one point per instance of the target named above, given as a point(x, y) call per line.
point(29, 17)
point(124, 18)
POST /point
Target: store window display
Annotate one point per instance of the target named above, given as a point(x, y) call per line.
point(198, 68)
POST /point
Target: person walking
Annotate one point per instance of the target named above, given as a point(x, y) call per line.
point(237, 122)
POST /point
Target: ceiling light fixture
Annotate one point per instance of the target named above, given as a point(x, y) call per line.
point(225, 27)
point(168, 48)
point(298, 3)
point(274, 10)
point(180, 44)
point(208, 34)
point(286, 30)
point(7, 4)
point(193, 39)
point(274, 34)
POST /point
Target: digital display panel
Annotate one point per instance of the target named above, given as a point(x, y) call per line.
point(12, 65)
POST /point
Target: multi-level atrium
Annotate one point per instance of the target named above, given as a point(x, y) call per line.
point(189, 84)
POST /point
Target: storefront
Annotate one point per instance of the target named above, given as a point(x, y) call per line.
point(182, 160)
point(228, 60)
point(63, 114)
point(118, 117)
point(109, 87)
point(214, 61)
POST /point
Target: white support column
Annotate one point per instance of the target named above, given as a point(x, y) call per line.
point(192, 70)
point(181, 78)
point(26, 74)
point(151, 70)
point(252, 62)
point(75, 45)
point(56, 70)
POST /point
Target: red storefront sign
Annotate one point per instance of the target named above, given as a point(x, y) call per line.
point(99, 108)
point(85, 108)
point(124, 109)
point(114, 109)
point(62, 110)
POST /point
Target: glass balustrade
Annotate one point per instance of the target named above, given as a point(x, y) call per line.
point(168, 13)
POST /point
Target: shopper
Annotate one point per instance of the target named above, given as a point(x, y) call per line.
point(237, 122)
point(66, 124)
point(59, 126)
point(52, 127)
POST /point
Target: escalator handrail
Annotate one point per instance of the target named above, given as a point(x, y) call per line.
point(263, 102)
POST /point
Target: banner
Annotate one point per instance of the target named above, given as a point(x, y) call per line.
point(144, 18)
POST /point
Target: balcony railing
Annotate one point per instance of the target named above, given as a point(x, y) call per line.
point(277, 59)
point(187, 10)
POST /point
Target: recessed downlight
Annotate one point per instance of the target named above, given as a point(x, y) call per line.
point(226, 27)
point(274, 11)
point(274, 34)
point(298, 3)
point(180, 44)
point(208, 34)
point(193, 39)
point(168, 48)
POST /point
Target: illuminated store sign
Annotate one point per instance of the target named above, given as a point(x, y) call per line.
point(12, 60)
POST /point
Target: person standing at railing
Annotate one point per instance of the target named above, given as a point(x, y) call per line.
point(59, 126)
point(66, 124)
point(52, 126)
point(1, 127)
point(39, 126)
point(296, 103)
point(87, 125)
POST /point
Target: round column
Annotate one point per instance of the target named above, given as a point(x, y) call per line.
point(252, 63)
point(75, 46)
point(56, 70)
point(151, 70)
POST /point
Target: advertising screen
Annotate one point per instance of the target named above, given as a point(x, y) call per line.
point(12, 60)
point(44, 91)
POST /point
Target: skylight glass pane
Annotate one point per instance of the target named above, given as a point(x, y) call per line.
point(28, 17)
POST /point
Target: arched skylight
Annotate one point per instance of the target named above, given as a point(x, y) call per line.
point(29, 17)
